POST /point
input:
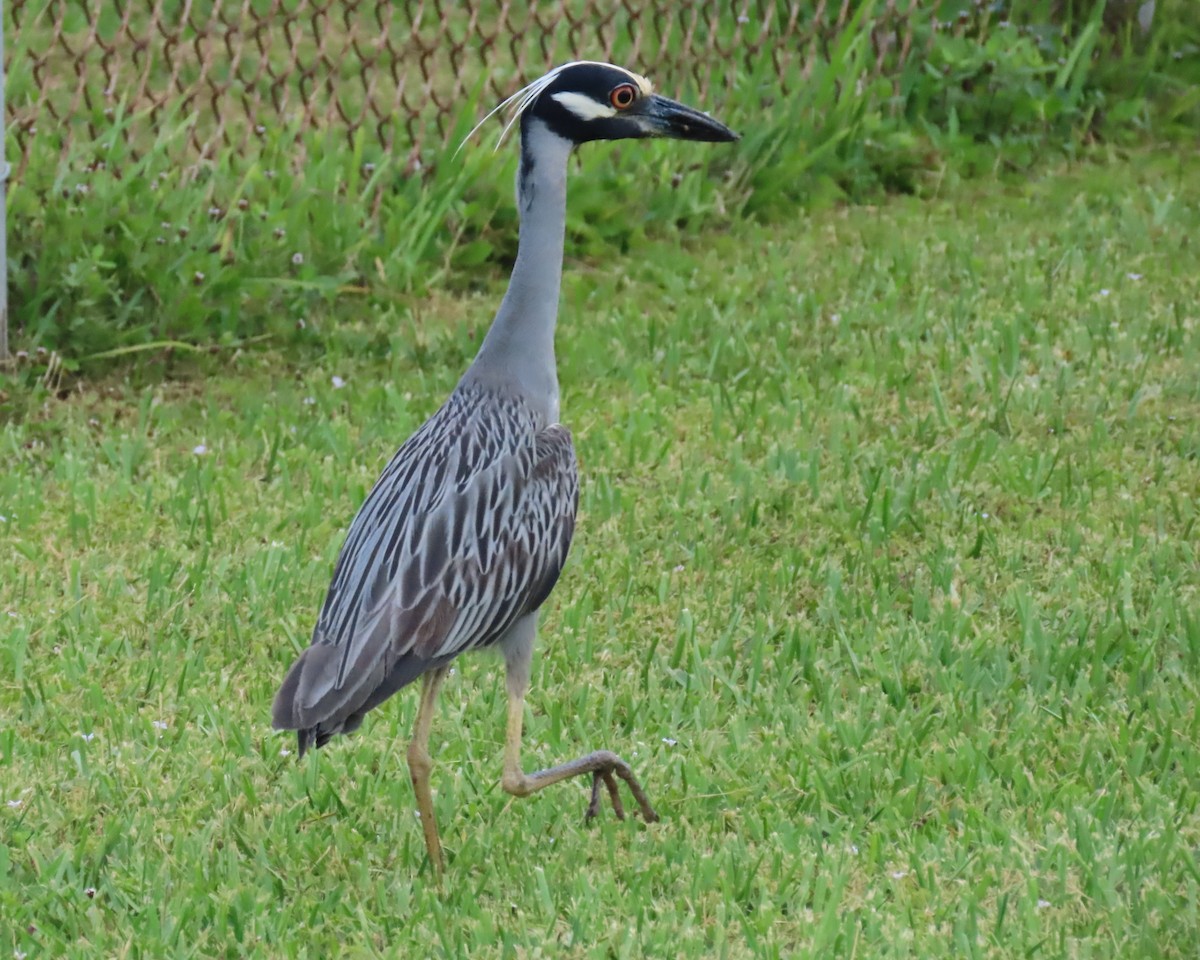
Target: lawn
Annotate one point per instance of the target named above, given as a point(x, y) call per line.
point(885, 582)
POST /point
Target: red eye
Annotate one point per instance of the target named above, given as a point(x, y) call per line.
point(623, 96)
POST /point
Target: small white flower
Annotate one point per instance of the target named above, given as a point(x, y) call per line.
point(1043, 904)
point(337, 382)
point(984, 514)
point(309, 401)
point(1134, 276)
point(669, 741)
point(13, 804)
point(159, 724)
point(854, 848)
point(88, 737)
point(899, 874)
point(19, 955)
point(679, 568)
point(1105, 293)
point(199, 449)
point(285, 752)
point(297, 258)
point(3, 518)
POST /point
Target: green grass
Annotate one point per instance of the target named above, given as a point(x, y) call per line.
point(885, 583)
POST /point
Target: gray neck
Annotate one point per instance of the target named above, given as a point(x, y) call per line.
point(517, 355)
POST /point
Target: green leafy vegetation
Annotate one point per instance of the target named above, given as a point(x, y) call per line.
point(121, 250)
point(885, 583)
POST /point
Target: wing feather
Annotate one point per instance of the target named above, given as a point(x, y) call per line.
point(466, 530)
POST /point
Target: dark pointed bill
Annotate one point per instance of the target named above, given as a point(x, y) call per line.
point(669, 118)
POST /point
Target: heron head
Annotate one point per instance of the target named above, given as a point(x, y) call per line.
point(584, 101)
point(598, 101)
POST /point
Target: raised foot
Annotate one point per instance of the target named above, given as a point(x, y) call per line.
point(607, 768)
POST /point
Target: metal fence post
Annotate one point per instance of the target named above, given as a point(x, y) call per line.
point(3, 209)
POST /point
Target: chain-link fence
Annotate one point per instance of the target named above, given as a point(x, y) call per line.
point(401, 71)
point(222, 77)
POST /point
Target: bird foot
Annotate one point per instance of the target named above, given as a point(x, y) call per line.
point(609, 768)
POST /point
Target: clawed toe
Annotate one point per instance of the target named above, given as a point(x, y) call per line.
point(593, 808)
point(610, 782)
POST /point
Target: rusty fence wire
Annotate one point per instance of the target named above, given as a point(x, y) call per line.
point(400, 71)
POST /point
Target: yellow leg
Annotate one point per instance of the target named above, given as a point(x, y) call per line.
point(603, 765)
point(420, 764)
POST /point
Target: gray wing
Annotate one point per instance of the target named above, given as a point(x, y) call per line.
point(466, 531)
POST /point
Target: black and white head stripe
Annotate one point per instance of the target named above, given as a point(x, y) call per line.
point(582, 105)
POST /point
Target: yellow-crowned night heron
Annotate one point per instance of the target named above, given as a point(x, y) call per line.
point(464, 535)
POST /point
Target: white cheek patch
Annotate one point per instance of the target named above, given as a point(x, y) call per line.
point(583, 106)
